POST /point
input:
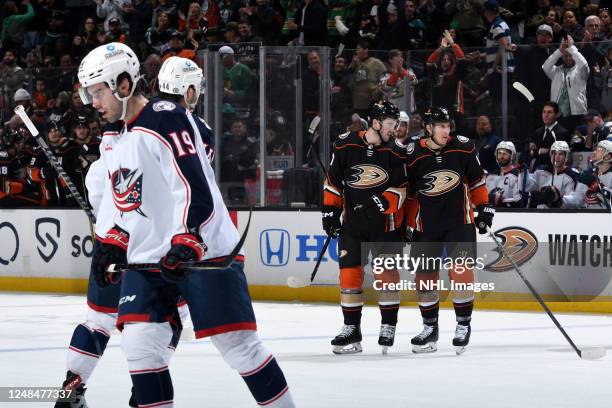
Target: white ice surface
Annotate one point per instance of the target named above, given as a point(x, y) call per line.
point(513, 360)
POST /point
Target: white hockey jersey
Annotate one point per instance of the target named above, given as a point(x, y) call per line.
point(162, 184)
point(507, 187)
point(100, 198)
point(598, 198)
point(565, 182)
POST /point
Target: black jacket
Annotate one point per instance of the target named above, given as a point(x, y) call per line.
point(315, 23)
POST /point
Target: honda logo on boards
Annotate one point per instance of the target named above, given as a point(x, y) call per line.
point(274, 247)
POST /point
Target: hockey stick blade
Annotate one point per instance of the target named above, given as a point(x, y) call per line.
point(592, 353)
point(295, 282)
point(588, 353)
point(523, 90)
point(192, 265)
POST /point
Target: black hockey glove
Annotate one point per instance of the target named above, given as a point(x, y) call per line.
point(185, 247)
point(110, 250)
point(587, 177)
point(331, 221)
point(373, 207)
point(484, 218)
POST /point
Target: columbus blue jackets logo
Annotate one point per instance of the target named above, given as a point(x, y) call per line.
point(163, 106)
point(127, 190)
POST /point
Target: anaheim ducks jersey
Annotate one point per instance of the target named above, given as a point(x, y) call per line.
point(508, 187)
point(162, 183)
point(357, 171)
point(564, 181)
point(444, 184)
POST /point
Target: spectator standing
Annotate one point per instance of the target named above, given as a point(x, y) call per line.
point(88, 38)
point(14, 24)
point(168, 7)
point(415, 27)
point(341, 102)
point(466, 16)
point(571, 26)
point(568, 82)
point(236, 76)
point(265, 23)
point(311, 23)
point(392, 84)
point(498, 39)
point(12, 76)
point(158, 36)
point(366, 72)
point(603, 79)
point(447, 69)
point(108, 9)
point(311, 80)
point(594, 51)
point(138, 15)
point(486, 142)
point(56, 41)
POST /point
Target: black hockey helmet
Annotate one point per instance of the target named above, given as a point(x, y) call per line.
point(54, 125)
point(81, 120)
point(436, 115)
point(380, 110)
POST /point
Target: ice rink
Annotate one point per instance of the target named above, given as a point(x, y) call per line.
point(514, 360)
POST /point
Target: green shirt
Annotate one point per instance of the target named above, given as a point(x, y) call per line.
point(237, 79)
point(13, 25)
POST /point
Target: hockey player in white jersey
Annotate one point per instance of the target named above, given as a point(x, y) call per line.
point(556, 185)
point(168, 202)
point(180, 80)
point(508, 185)
point(595, 184)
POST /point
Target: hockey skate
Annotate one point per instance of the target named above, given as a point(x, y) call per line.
point(425, 341)
point(386, 337)
point(348, 341)
point(462, 338)
point(77, 397)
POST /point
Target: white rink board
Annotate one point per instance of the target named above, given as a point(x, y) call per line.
point(56, 243)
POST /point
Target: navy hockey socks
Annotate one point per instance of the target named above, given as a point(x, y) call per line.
point(463, 311)
point(153, 387)
point(266, 382)
point(429, 312)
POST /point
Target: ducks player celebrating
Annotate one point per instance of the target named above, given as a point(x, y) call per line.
point(596, 184)
point(447, 181)
point(366, 179)
point(168, 202)
point(507, 185)
point(556, 189)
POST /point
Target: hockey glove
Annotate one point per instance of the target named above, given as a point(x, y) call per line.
point(376, 205)
point(331, 221)
point(587, 177)
point(110, 250)
point(185, 247)
point(484, 218)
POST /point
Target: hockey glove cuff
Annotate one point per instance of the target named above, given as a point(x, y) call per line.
point(112, 249)
point(484, 218)
point(331, 221)
point(185, 247)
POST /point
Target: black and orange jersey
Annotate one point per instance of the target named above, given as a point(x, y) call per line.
point(359, 170)
point(444, 185)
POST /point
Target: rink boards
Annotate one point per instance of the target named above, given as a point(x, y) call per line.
point(49, 251)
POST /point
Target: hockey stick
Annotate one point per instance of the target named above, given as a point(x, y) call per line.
point(55, 162)
point(295, 282)
point(191, 265)
point(522, 89)
point(313, 130)
point(589, 353)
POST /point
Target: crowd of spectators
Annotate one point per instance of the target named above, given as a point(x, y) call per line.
point(415, 53)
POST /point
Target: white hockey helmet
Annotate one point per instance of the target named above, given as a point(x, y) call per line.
point(606, 145)
point(177, 75)
point(403, 117)
point(505, 145)
point(559, 146)
point(104, 64)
